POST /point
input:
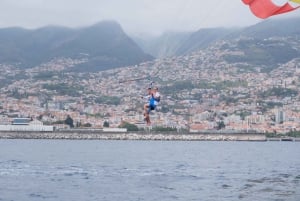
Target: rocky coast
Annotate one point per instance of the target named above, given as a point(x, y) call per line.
point(80, 135)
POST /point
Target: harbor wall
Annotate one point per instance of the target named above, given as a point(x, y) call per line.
point(132, 136)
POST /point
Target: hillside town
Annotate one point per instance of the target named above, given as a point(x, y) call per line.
point(200, 92)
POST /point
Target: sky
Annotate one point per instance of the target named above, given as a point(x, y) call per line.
point(135, 16)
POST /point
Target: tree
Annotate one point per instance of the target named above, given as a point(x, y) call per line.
point(106, 124)
point(164, 129)
point(87, 125)
point(129, 126)
point(69, 121)
point(221, 125)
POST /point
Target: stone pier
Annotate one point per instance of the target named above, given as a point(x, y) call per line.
point(133, 136)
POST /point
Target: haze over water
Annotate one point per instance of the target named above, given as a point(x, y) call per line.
point(148, 170)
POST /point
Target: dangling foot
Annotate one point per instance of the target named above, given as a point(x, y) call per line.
point(148, 121)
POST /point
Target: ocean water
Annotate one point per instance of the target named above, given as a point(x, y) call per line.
point(61, 170)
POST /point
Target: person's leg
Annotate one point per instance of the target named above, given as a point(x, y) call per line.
point(148, 114)
point(151, 107)
point(148, 120)
point(146, 106)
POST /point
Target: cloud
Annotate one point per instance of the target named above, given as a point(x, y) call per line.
point(135, 16)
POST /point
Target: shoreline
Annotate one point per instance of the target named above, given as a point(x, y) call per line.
point(65, 135)
point(159, 136)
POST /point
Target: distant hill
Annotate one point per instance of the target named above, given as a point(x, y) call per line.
point(267, 54)
point(267, 44)
point(177, 44)
point(105, 45)
point(162, 46)
point(181, 43)
point(202, 39)
point(272, 28)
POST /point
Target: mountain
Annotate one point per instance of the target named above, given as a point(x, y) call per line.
point(267, 44)
point(202, 39)
point(181, 43)
point(286, 27)
point(162, 46)
point(105, 45)
point(176, 44)
point(267, 54)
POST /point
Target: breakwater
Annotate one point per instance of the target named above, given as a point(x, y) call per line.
point(132, 136)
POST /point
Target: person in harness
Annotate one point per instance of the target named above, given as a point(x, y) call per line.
point(153, 100)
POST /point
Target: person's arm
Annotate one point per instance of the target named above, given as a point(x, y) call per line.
point(147, 97)
point(157, 96)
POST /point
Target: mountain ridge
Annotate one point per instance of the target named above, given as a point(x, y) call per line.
point(105, 44)
point(202, 38)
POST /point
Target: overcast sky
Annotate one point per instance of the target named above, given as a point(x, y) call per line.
point(135, 16)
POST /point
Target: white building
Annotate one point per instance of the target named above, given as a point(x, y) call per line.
point(25, 124)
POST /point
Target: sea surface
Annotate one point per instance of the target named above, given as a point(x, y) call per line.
point(62, 170)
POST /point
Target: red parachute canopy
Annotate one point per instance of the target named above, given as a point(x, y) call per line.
point(266, 8)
